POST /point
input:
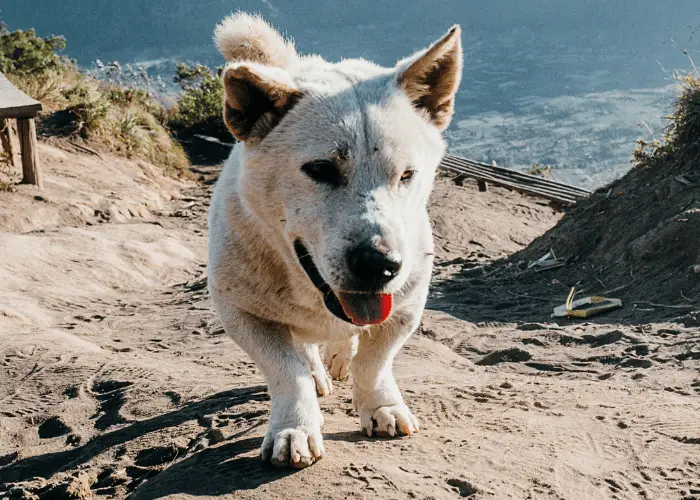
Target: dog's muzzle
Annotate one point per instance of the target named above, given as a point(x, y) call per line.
point(358, 308)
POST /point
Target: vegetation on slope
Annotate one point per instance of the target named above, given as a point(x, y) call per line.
point(123, 120)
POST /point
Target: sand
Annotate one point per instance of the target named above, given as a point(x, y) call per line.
point(116, 379)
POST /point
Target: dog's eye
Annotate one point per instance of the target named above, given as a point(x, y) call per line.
point(407, 175)
point(323, 172)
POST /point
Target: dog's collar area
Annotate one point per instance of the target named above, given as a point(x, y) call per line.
point(329, 298)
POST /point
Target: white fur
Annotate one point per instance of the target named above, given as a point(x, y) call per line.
point(248, 37)
point(263, 202)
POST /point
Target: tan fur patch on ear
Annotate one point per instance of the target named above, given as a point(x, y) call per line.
point(253, 105)
point(432, 80)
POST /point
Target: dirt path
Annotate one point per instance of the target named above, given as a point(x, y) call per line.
point(117, 380)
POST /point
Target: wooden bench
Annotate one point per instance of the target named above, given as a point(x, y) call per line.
point(16, 104)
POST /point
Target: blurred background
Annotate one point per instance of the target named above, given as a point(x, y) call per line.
point(546, 81)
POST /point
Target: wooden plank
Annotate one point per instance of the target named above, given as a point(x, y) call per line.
point(555, 191)
point(499, 179)
point(534, 179)
point(29, 148)
point(542, 192)
point(514, 173)
point(14, 103)
point(562, 199)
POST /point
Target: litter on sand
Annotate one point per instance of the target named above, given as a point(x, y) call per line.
point(547, 261)
point(585, 307)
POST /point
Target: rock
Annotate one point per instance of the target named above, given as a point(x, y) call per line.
point(635, 363)
point(604, 339)
point(512, 355)
point(75, 488)
point(207, 420)
point(530, 327)
point(112, 477)
point(216, 436)
point(463, 488)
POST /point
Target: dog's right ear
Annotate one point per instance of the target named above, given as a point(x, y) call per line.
point(256, 98)
point(431, 78)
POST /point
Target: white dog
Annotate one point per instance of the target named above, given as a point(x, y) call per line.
point(319, 231)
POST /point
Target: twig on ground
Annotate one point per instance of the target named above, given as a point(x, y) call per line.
point(666, 306)
point(86, 149)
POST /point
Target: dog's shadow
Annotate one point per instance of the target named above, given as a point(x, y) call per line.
point(223, 470)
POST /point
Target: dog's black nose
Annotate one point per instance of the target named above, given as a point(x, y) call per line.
point(371, 267)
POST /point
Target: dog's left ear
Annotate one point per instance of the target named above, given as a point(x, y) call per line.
point(256, 98)
point(431, 77)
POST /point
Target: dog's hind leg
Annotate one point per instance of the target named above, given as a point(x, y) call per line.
point(293, 437)
point(338, 356)
point(324, 383)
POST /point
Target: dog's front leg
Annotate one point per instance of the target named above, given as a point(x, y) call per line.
point(376, 395)
point(293, 436)
point(324, 383)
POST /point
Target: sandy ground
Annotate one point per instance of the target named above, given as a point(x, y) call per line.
point(116, 379)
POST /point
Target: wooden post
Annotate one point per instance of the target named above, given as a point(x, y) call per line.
point(6, 140)
point(482, 185)
point(28, 147)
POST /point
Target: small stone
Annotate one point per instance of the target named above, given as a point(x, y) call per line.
point(74, 439)
point(512, 355)
point(216, 436)
point(207, 420)
point(76, 488)
point(506, 385)
point(112, 477)
point(531, 327)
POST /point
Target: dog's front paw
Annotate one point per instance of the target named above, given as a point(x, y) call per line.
point(296, 447)
point(389, 421)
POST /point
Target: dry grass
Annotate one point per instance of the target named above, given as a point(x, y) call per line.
point(681, 144)
point(125, 121)
point(684, 127)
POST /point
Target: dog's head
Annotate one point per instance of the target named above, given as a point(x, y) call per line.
point(339, 158)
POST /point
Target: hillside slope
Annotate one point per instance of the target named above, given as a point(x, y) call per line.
point(116, 379)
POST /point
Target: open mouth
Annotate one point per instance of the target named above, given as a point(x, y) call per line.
point(357, 308)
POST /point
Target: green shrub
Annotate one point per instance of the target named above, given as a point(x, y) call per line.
point(90, 108)
point(24, 53)
point(199, 107)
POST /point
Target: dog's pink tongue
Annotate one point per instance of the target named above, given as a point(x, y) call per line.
point(366, 308)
